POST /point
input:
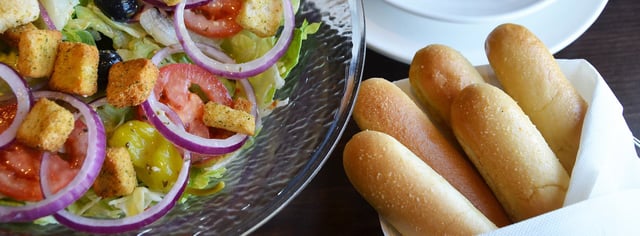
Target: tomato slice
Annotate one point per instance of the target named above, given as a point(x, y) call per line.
point(172, 88)
point(19, 173)
point(20, 164)
point(217, 19)
point(7, 113)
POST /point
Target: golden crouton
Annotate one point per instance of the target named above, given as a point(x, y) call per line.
point(14, 13)
point(117, 176)
point(262, 17)
point(12, 36)
point(47, 126)
point(76, 69)
point(131, 82)
point(224, 117)
point(37, 52)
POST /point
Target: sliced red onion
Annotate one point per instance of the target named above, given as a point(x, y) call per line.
point(190, 3)
point(148, 216)
point(209, 50)
point(24, 98)
point(46, 18)
point(184, 139)
point(98, 102)
point(232, 70)
point(44, 173)
point(80, 183)
point(153, 109)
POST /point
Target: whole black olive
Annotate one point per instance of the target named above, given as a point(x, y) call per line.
point(118, 10)
point(107, 59)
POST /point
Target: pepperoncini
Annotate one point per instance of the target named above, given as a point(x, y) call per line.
point(156, 161)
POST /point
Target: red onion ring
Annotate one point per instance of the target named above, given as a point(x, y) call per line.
point(80, 183)
point(153, 110)
point(44, 172)
point(150, 215)
point(98, 102)
point(184, 139)
point(209, 50)
point(190, 3)
point(232, 70)
point(46, 18)
point(24, 98)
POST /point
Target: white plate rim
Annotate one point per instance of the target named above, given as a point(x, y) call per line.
point(398, 35)
point(436, 10)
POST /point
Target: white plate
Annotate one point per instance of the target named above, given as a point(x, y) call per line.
point(398, 34)
point(471, 11)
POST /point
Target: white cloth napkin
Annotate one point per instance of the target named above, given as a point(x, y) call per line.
point(604, 192)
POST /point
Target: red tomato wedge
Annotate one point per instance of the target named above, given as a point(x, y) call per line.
point(20, 165)
point(217, 19)
point(172, 88)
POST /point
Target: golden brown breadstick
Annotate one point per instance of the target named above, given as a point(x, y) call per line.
point(509, 151)
point(437, 74)
point(529, 73)
point(407, 192)
point(382, 106)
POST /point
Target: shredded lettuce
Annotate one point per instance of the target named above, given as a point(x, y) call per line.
point(113, 117)
point(87, 18)
point(59, 11)
point(291, 57)
point(134, 30)
point(202, 178)
point(84, 19)
point(138, 48)
point(135, 203)
point(47, 220)
point(92, 205)
point(82, 36)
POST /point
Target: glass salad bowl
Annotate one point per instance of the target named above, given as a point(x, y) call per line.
point(293, 144)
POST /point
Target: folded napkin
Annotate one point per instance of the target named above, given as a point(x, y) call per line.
point(604, 191)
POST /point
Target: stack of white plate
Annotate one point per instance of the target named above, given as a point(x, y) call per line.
point(398, 28)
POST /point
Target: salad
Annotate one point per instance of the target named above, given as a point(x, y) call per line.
point(112, 112)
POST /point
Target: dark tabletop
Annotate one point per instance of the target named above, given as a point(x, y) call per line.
point(330, 206)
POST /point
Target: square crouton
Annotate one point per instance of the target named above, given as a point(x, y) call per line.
point(262, 17)
point(117, 176)
point(12, 36)
point(37, 52)
point(76, 69)
point(131, 82)
point(46, 127)
point(224, 117)
point(14, 13)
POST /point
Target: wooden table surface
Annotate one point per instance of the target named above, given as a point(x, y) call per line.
point(330, 206)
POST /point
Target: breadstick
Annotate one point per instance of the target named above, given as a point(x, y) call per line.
point(529, 73)
point(382, 106)
point(437, 74)
point(407, 192)
point(508, 151)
